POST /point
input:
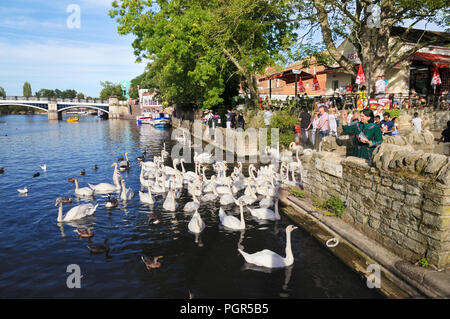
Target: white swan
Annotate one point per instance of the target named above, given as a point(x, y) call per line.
point(210, 196)
point(106, 188)
point(196, 224)
point(266, 202)
point(76, 212)
point(194, 205)
point(265, 213)
point(146, 197)
point(248, 199)
point(269, 259)
point(170, 204)
point(44, 167)
point(203, 158)
point(84, 191)
point(227, 198)
point(164, 153)
point(231, 221)
point(127, 193)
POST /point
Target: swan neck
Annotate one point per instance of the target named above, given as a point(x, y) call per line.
point(60, 209)
point(289, 256)
point(242, 216)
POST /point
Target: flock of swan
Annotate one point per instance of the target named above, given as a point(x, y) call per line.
point(258, 193)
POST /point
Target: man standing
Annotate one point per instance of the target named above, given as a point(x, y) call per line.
point(380, 87)
point(324, 126)
point(305, 120)
point(387, 126)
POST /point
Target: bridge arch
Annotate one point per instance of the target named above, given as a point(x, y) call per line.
point(44, 107)
point(83, 106)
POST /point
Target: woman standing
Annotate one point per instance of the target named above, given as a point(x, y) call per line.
point(367, 134)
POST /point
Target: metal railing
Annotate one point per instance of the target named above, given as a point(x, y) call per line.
point(34, 98)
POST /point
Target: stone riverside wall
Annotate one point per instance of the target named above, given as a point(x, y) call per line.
point(401, 200)
point(238, 142)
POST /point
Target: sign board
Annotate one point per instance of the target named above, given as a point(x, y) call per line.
point(329, 167)
point(374, 103)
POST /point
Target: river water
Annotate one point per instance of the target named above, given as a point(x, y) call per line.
point(35, 250)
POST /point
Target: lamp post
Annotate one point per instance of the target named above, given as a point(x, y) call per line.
point(373, 23)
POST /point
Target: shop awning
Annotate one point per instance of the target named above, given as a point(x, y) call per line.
point(331, 71)
point(438, 60)
point(289, 76)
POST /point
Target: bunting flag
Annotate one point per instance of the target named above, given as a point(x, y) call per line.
point(300, 87)
point(315, 86)
point(360, 78)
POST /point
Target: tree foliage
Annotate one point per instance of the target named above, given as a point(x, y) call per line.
point(199, 49)
point(27, 89)
point(351, 20)
point(2, 92)
point(111, 89)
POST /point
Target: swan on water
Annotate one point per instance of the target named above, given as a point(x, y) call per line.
point(147, 197)
point(265, 213)
point(196, 224)
point(170, 204)
point(269, 259)
point(127, 193)
point(84, 191)
point(105, 188)
point(231, 221)
point(74, 213)
point(194, 205)
point(44, 167)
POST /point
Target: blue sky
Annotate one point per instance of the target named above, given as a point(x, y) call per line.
point(37, 46)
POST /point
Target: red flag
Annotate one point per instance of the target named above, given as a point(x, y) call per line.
point(301, 87)
point(360, 78)
point(315, 86)
point(436, 80)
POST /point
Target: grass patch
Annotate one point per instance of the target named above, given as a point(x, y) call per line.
point(296, 192)
point(333, 206)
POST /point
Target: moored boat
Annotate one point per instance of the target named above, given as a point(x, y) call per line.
point(162, 120)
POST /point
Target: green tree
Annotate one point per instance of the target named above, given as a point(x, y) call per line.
point(2, 92)
point(352, 20)
point(46, 93)
point(80, 96)
point(111, 89)
point(68, 94)
point(27, 89)
point(196, 46)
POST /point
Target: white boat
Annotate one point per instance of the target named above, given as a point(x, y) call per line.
point(145, 118)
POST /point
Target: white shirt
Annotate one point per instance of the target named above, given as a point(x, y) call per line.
point(380, 86)
point(333, 124)
point(417, 124)
point(349, 119)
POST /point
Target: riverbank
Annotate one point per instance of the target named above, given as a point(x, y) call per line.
point(399, 278)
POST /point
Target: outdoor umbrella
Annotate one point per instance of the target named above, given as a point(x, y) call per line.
point(436, 80)
point(315, 86)
point(360, 78)
point(301, 87)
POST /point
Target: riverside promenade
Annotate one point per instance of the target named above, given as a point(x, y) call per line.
point(400, 218)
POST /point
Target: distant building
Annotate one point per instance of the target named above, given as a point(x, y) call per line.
point(413, 73)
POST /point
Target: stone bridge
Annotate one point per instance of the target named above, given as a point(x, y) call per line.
point(54, 107)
